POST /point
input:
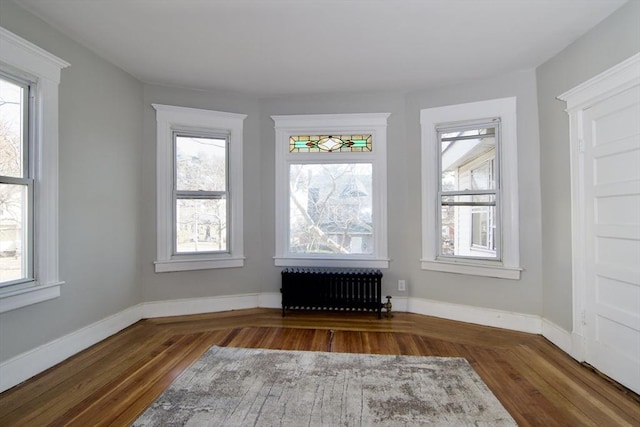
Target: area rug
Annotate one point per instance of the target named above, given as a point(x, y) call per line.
point(254, 387)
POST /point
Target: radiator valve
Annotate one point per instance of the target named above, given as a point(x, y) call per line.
point(387, 306)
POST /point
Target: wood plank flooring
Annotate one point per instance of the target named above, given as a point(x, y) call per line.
point(111, 383)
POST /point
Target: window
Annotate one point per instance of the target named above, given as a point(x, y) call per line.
point(468, 191)
point(29, 79)
point(201, 193)
point(16, 183)
point(470, 199)
point(199, 189)
point(331, 190)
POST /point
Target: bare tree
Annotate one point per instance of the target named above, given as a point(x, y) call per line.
point(202, 222)
point(331, 203)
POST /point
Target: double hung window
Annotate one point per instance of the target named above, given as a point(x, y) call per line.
point(29, 78)
point(199, 189)
point(470, 189)
point(201, 193)
point(16, 183)
point(331, 190)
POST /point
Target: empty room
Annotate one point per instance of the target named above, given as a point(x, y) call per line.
point(320, 212)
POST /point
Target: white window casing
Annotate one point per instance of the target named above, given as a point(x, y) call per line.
point(508, 266)
point(169, 120)
point(42, 70)
point(374, 124)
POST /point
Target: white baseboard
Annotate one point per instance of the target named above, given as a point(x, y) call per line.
point(478, 315)
point(270, 300)
point(183, 307)
point(569, 342)
point(26, 365)
point(578, 347)
point(188, 306)
point(558, 336)
point(398, 304)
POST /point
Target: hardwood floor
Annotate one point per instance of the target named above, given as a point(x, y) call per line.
point(112, 382)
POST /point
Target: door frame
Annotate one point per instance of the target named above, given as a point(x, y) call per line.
point(615, 80)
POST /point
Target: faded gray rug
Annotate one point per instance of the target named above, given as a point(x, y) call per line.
point(253, 387)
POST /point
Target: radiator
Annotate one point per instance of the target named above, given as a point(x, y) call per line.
point(332, 289)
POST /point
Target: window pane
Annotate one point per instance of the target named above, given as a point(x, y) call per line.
point(201, 164)
point(12, 125)
point(330, 208)
point(482, 177)
point(469, 226)
point(330, 143)
point(467, 163)
point(201, 225)
point(14, 245)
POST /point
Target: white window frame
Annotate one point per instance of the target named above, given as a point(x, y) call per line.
point(42, 69)
point(169, 120)
point(509, 265)
point(328, 124)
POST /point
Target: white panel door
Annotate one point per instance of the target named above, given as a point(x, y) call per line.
point(611, 150)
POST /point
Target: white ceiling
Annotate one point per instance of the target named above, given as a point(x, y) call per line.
point(281, 47)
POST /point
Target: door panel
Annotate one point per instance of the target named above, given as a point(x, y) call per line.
point(611, 134)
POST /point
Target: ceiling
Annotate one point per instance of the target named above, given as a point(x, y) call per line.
point(283, 47)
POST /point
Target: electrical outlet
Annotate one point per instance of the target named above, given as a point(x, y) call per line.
point(402, 285)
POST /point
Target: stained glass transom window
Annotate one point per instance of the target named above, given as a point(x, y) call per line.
point(329, 143)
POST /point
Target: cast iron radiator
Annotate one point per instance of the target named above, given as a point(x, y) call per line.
point(354, 289)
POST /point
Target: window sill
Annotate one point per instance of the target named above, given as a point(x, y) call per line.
point(197, 264)
point(512, 273)
point(331, 262)
point(11, 300)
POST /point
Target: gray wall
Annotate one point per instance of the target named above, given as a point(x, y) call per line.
point(99, 184)
point(612, 41)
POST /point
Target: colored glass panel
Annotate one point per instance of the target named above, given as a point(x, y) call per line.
point(329, 143)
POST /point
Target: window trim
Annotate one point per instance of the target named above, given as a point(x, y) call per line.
point(25, 60)
point(430, 118)
point(323, 124)
point(172, 119)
